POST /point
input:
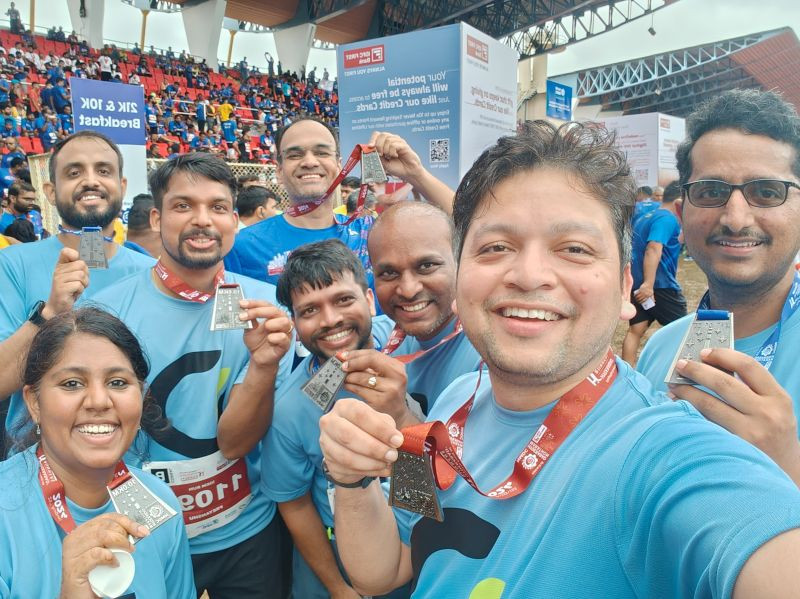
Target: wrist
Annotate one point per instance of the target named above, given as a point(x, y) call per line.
point(48, 312)
point(346, 482)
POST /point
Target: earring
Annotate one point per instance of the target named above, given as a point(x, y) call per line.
point(38, 430)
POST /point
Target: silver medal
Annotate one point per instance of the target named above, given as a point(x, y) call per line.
point(412, 486)
point(371, 168)
point(702, 334)
point(91, 249)
point(226, 308)
point(325, 384)
point(136, 501)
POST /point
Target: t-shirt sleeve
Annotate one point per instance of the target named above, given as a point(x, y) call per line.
point(692, 504)
point(662, 228)
point(286, 470)
point(12, 302)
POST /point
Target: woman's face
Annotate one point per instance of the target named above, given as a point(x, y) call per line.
point(88, 405)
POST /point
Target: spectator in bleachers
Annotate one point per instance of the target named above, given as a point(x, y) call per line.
point(50, 132)
point(9, 175)
point(141, 237)
point(65, 121)
point(254, 204)
point(15, 20)
point(60, 95)
point(21, 230)
point(13, 150)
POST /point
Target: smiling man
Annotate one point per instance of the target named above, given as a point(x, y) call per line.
point(325, 288)
point(216, 387)
point(740, 170)
point(415, 284)
point(577, 460)
point(41, 279)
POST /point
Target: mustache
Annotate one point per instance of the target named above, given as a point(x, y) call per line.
point(84, 190)
point(725, 233)
point(210, 233)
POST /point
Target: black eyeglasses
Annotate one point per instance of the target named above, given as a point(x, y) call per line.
point(759, 193)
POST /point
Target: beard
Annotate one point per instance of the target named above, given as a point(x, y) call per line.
point(92, 217)
point(21, 208)
point(196, 262)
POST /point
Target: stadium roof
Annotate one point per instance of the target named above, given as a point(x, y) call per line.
point(530, 26)
point(675, 82)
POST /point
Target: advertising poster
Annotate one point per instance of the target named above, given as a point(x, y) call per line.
point(671, 131)
point(115, 110)
point(449, 92)
point(559, 101)
point(637, 137)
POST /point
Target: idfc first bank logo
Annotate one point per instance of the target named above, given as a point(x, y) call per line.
point(362, 57)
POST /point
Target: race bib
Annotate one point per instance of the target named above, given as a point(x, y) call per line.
point(212, 490)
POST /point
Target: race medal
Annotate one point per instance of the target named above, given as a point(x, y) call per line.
point(709, 329)
point(91, 249)
point(371, 168)
point(412, 486)
point(226, 308)
point(325, 384)
point(131, 498)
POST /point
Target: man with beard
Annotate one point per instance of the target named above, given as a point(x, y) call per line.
point(415, 284)
point(42, 279)
point(740, 171)
point(215, 386)
point(325, 289)
point(21, 199)
point(564, 454)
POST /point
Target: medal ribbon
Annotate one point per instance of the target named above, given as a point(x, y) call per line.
point(79, 233)
point(767, 351)
point(445, 442)
point(398, 335)
point(352, 161)
point(177, 285)
point(53, 490)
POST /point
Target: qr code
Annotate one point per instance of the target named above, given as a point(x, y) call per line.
point(440, 150)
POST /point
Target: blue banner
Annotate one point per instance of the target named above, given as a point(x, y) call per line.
point(559, 101)
point(114, 109)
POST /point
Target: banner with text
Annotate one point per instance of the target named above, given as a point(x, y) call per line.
point(117, 111)
point(559, 101)
point(449, 92)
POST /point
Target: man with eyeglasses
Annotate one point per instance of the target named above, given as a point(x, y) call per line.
point(308, 161)
point(740, 175)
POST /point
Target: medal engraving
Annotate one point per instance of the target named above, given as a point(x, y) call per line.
point(702, 334)
point(91, 248)
point(372, 169)
point(226, 308)
point(325, 384)
point(412, 486)
point(136, 501)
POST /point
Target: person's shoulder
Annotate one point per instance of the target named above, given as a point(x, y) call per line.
point(17, 473)
point(123, 289)
point(132, 257)
point(456, 393)
point(669, 334)
point(21, 252)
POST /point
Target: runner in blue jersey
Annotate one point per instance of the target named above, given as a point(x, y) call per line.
point(577, 460)
point(84, 387)
point(44, 278)
point(325, 288)
point(741, 217)
point(216, 387)
point(308, 161)
point(415, 281)
point(645, 203)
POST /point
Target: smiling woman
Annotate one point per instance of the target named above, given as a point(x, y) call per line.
point(60, 533)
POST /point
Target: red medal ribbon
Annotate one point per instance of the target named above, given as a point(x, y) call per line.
point(177, 285)
point(398, 335)
point(355, 157)
point(53, 490)
point(445, 442)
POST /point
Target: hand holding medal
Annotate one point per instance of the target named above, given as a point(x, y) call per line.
point(70, 279)
point(271, 333)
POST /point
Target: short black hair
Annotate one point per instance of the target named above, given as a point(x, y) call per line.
point(59, 145)
point(250, 198)
point(139, 214)
point(671, 192)
point(15, 162)
point(352, 201)
point(196, 165)
point(18, 187)
point(747, 110)
point(282, 131)
point(318, 265)
point(21, 230)
point(646, 190)
point(351, 182)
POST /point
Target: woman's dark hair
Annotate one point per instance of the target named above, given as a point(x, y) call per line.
point(47, 348)
point(21, 230)
point(584, 150)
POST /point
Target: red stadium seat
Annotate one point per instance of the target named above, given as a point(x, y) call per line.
point(27, 144)
point(37, 146)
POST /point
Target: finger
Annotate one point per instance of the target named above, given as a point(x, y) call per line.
point(344, 460)
point(93, 557)
point(280, 339)
point(278, 325)
point(751, 373)
point(728, 387)
point(368, 381)
point(712, 408)
point(67, 255)
point(365, 359)
point(374, 423)
point(373, 137)
point(129, 525)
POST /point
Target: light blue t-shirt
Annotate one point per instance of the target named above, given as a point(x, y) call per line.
point(30, 541)
point(261, 250)
point(432, 372)
point(26, 275)
point(658, 353)
point(292, 459)
point(192, 372)
point(645, 498)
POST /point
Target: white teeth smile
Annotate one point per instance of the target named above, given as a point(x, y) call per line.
point(304, 177)
point(337, 336)
point(740, 244)
point(415, 307)
point(90, 197)
point(97, 429)
point(533, 314)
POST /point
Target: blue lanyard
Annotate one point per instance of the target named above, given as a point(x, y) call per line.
point(767, 351)
point(79, 233)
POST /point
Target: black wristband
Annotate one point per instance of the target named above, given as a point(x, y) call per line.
point(359, 484)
